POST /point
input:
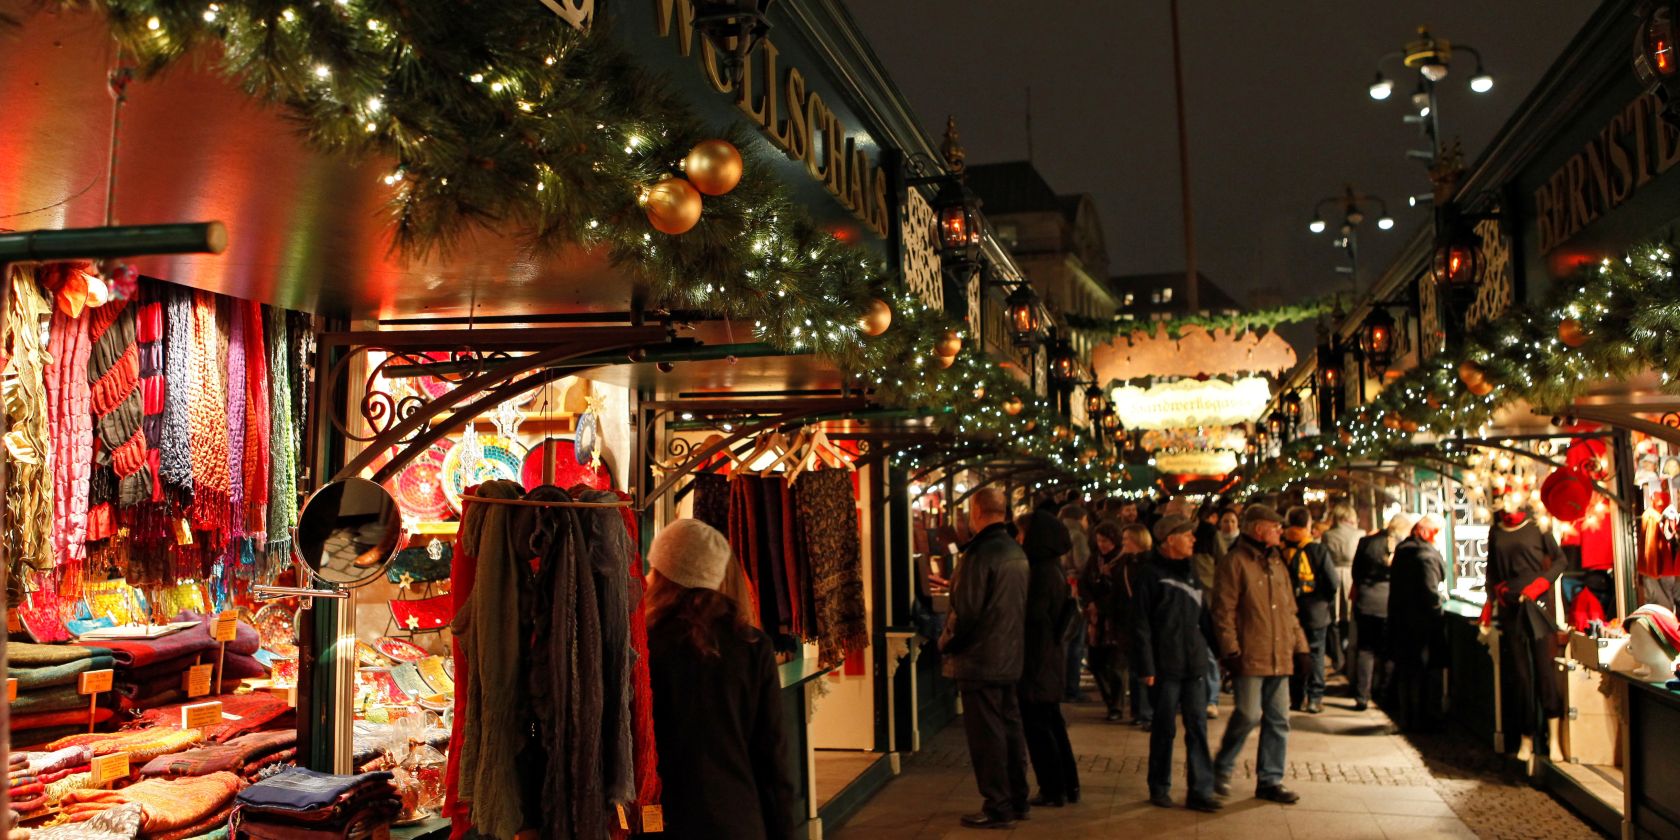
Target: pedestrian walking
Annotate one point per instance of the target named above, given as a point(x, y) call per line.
point(985, 637)
point(1371, 564)
point(1314, 576)
point(1077, 520)
point(1258, 636)
point(1342, 541)
point(1051, 618)
point(1171, 628)
point(1416, 635)
point(1109, 591)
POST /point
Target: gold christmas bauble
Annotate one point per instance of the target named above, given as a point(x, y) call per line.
point(1481, 388)
point(1571, 333)
point(1013, 406)
point(1470, 373)
point(672, 205)
point(1061, 432)
point(876, 317)
point(1410, 427)
point(980, 392)
point(1086, 456)
point(949, 344)
point(945, 361)
point(1030, 425)
point(714, 166)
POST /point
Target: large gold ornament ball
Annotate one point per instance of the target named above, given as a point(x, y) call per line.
point(945, 361)
point(1470, 373)
point(1013, 406)
point(714, 166)
point(876, 317)
point(1571, 333)
point(1481, 388)
point(672, 205)
point(949, 344)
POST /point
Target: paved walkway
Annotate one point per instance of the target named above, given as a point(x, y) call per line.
point(1356, 780)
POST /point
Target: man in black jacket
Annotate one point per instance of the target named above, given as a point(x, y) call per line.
point(1052, 617)
point(985, 638)
point(1171, 628)
point(1416, 636)
point(1370, 609)
point(1313, 574)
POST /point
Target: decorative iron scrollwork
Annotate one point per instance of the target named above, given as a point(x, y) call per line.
point(388, 401)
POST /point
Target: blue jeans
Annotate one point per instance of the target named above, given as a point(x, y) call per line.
point(1308, 687)
point(1075, 665)
point(1260, 700)
point(1213, 679)
point(1188, 698)
point(1142, 710)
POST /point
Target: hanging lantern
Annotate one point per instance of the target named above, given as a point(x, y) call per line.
point(672, 206)
point(734, 28)
point(877, 317)
point(1291, 404)
point(1062, 361)
point(1571, 333)
point(1458, 257)
point(1023, 315)
point(1376, 339)
point(949, 344)
point(1110, 419)
point(959, 221)
point(1655, 63)
point(714, 167)
point(1567, 494)
point(1275, 423)
point(1093, 401)
point(1013, 406)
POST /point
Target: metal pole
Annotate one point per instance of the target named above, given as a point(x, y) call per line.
point(1192, 292)
point(126, 241)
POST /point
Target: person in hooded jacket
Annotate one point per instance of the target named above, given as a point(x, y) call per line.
point(1416, 629)
point(1371, 563)
point(1313, 573)
point(1052, 617)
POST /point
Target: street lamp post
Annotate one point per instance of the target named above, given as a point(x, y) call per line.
point(1431, 58)
point(1355, 208)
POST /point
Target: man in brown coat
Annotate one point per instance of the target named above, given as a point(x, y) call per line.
point(1258, 635)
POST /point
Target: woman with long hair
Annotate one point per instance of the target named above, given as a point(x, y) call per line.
point(717, 696)
point(1051, 614)
point(1107, 591)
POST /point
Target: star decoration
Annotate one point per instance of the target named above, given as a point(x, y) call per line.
point(412, 622)
point(405, 580)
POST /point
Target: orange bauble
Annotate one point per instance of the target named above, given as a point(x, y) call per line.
point(949, 344)
point(672, 205)
point(1410, 427)
point(1481, 388)
point(1571, 333)
point(1471, 373)
point(945, 361)
point(714, 166)
point(876, 317)
point(1013, 406)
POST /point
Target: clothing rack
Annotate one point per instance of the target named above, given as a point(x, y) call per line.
point(621, 503)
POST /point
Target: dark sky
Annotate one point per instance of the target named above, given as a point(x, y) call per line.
point(1278, 111)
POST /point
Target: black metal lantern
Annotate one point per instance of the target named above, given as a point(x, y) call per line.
point(1291, 405)
point(1458, 257)
point(1275, 424)
point(1023, 315)
point(1062, 361)
point(1376, 339)
point(1093, 402)
point(734, 28)
point(959, 221)
point(1655, 61)
point(1328, 376)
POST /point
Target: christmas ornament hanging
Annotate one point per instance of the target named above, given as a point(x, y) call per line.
point(672, 205)
point(949, 344)
point(1571, 333)
point(877, 317)
point(1481, 388)
point(1471, 373)
point(945, 361)
point(1567, 494)
point(1013, 406)
point(713, 166)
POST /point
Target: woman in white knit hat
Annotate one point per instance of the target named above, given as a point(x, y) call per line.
point(717, 694)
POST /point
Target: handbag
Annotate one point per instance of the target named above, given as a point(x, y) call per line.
point(425, 614)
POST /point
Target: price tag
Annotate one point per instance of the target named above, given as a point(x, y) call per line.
point(196, 681)
point(11, 691)
point(653, 819)
point(13, 623)
point(623, 818)
point(201, 715)
point(287, 693)
point(109, 768)
point(96, 682)
point(226, 626)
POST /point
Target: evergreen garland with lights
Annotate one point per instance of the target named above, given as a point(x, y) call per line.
point(1609, 322)
point(1260, 322)
point(499, 117)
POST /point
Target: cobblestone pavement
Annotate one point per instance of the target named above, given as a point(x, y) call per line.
point(1356, 779)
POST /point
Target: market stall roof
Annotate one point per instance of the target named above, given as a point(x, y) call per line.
point(308, 231)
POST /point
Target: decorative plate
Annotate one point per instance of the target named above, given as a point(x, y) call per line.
point(419, 487)
point(568, 472)
point(401, 650)
point(501, 459)
point(588, 436)
point(366, 655)
point(276, 625)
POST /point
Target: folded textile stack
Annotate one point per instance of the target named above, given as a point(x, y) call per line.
point(142, 745)
point(299, 804)
point(48, 703)
point(37, 780)
point(172, 809)
point(150, 671)
point(242, 714)
point(242, 756)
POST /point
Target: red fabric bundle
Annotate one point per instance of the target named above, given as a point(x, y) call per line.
point(463, 571)
point(207, 415)
point(648, 783)
point(256, 467)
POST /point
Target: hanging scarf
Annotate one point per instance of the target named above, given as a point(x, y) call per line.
point(29, 521)
point(234, 366)
point(648, 783)
point(282, 454)
point(114, 371)
point(255, 477)
point(175, 463)
point(209, 442)
point(70, 418)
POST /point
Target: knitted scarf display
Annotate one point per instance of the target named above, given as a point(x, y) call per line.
point(282, 474)
point(236, 394)
point(118, 405)
point(208, 442)
point(70, 419)
point(175, 462)
point(254, 476)
point(29, 523)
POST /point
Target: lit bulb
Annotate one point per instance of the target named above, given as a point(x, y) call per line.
point(153, 24)
point(1316, 226)
point(1481, 83)
point(1386, 223)
point(1381, 88)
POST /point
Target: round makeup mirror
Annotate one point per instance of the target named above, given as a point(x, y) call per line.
point(348, 531)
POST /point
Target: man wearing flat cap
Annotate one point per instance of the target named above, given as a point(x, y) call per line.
point(1258, 636)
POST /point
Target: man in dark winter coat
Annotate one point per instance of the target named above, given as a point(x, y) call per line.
point(1371, 563)
point(1171, 628)
point(1523, 564)
point(985, 636)
point(1416, 635)
point(1052, 616)
point(1313, 574)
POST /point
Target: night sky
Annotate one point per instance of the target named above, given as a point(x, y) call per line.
point(1279, 116)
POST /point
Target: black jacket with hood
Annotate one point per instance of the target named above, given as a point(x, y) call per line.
point(1050, 610)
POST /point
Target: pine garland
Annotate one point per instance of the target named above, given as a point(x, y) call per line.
point(1261, 321)
point(1629, 309)
point(502, 118)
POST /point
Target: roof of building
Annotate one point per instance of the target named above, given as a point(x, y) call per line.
point(1141, 286)
point(1012, 187)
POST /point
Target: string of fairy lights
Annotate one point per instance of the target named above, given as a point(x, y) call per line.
point(508, 120)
